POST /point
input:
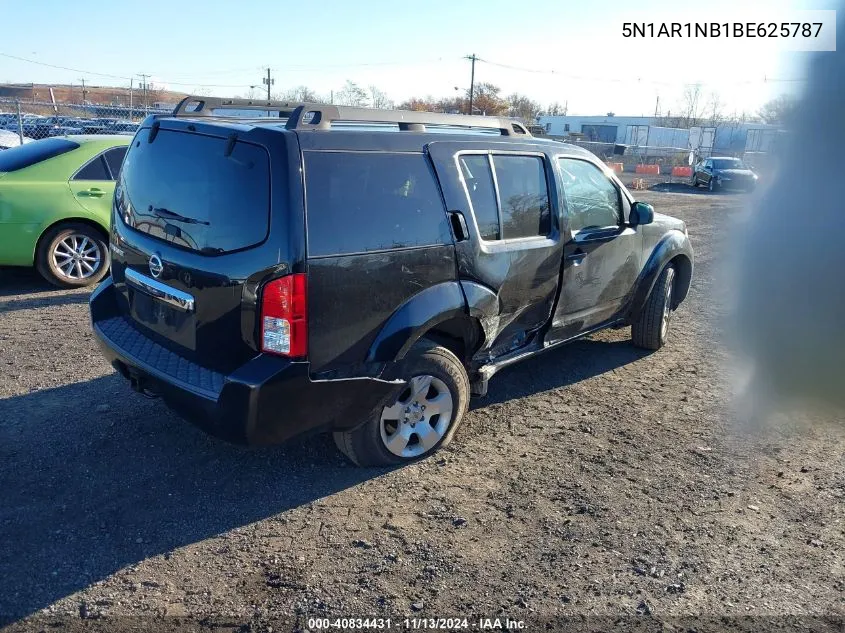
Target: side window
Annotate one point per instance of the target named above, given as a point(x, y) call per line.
point(592, 200)
point(94, 170)
point(478, 176)
point(114, 158)
point(367, 201)
point(523, 195)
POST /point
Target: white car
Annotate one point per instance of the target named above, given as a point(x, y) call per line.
point(11, 139)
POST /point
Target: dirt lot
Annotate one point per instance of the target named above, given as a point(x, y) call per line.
point(593, 481)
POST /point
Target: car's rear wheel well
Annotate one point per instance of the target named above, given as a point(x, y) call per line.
point(49, 229)
point(460, 335)
point(683, 277)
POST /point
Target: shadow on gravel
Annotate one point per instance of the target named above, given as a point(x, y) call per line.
point(681, 187)
point(18, 281)
point(43, 301)
point(567, 365)
point(87, 491)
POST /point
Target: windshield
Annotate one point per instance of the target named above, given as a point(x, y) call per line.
point(728, 163)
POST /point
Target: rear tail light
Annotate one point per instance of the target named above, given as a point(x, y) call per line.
point(283, 316)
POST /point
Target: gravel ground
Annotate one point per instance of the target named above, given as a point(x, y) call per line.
point(597, 480)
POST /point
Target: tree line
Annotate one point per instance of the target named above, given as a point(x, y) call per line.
point(694, 108)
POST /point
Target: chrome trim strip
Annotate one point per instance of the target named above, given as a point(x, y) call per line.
point(176, 298)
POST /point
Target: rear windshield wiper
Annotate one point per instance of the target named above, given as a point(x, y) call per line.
point(172, 215)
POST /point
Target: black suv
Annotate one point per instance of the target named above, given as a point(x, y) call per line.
point(364, 271)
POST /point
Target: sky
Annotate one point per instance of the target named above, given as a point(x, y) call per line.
point(564, 51)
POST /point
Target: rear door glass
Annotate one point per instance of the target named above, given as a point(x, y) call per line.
point(187, 189)
point(114, 158)
point(367, 201)
point(93, 170)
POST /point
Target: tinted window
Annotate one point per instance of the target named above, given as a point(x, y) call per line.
point(592, 200)
point(478, 177)
point(114, 157)
point(31, 153)
point(523, 195)
point(94, 170)
point(365, 202)
point(190, 190)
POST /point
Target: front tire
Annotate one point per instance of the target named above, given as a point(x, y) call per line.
point(72, 255)
point(421, 419)
point(712, 187)
point(651, 329)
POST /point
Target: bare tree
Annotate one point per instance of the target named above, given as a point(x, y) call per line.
point(781, 109)
point(352, 95)
point(379, 99)
point(522, 107)
point(555, 109)
point(691, 105)
point(300, 93)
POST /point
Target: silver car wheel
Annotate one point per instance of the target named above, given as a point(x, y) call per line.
point(418, 420)
point(667, 305)
point(77, 257)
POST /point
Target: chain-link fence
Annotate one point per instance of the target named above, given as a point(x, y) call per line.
point(26, 121)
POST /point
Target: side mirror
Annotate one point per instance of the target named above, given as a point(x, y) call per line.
point(641, 213)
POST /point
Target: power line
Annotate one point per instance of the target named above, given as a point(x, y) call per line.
point(638, 79)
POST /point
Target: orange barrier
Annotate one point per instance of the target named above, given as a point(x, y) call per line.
point(685, 172)
point(617, 167)
point(654, 170)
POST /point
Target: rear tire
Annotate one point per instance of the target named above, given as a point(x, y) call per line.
point(651, 329)
point(402, 431)
point(72, 255)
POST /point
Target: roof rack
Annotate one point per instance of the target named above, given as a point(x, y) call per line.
point(312, 116)
point(194, 106)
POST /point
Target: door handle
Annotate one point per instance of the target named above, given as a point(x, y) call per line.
point(459, 226)
point(94, 192)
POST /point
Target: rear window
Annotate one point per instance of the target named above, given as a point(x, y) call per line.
point(187, 189)
point(367, 201)
point(30, 153)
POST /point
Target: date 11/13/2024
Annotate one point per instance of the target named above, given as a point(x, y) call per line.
point(442, 624)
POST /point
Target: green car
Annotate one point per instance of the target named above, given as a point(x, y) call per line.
point(55, 205)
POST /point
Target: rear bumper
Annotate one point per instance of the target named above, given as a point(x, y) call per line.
point(265, 401)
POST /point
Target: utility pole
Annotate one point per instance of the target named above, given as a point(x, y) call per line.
point(268, 82)
point(144, 79)
point(83, 89)
point(657, 107)
point(473, 59)
point(131, 81)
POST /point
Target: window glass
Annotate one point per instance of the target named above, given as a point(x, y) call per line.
point(475, 169)
point(367, 201)
point(94, 170)
point(196, 191)
point(523, 195)
point(114, 157)
point(592, 200)
point(31, 153)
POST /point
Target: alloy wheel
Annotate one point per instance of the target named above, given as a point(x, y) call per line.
point(76, 257)
point(667, 304)
point(418, 419)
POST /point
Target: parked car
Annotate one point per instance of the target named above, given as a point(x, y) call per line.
point(11, 139)
point(55, 204)
point(269, 280)
point(724, 172)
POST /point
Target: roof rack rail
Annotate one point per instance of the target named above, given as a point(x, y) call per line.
point(195, 105)
point(312, 116)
